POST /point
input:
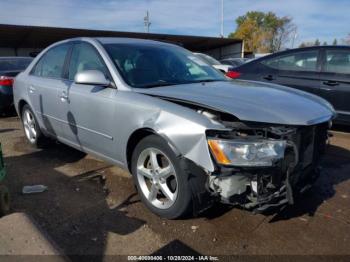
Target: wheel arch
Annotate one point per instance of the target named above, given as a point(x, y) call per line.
point(137, 136)
point(21, 104)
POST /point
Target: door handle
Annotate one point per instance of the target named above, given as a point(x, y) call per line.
point(64, 97)
point(31, 89)
point(331, 83)
point(269, 77)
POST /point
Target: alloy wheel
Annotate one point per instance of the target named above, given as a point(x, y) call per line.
point(29, 126)
point(157, 178)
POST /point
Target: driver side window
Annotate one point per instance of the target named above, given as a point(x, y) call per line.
point(85, 57)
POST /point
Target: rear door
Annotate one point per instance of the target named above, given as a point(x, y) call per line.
point(300, 70)
point(335, 80)
point(46, 79)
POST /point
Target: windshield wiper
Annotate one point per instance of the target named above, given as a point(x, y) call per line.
point(207, 80)
point(158, 84)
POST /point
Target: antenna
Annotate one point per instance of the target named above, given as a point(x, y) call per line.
point(147, 22)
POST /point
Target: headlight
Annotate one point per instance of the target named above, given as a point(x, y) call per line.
point(247, 153)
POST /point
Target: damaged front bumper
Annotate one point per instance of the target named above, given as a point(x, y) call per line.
point(260, 189)
point(260, 197)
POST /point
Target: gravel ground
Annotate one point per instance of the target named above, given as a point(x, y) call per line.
point(91, 207)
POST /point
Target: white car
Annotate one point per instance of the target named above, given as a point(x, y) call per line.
point(214, 63)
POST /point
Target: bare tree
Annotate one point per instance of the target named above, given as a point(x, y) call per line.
point(346, 40)
point(285, 33)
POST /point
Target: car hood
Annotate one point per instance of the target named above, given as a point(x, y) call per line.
point(251, 101)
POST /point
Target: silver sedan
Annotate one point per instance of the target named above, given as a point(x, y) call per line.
point(188, 136)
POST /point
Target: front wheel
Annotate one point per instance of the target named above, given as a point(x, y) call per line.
point(162, 184)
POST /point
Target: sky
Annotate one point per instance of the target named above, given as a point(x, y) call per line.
point(322, 19)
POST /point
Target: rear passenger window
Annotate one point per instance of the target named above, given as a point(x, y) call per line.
point(85, 57)
point(337, 61)
point(301, 61)
point(52, 63)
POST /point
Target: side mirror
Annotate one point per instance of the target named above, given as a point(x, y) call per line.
point(91, 77)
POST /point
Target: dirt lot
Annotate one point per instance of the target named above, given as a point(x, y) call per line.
point(83, 214)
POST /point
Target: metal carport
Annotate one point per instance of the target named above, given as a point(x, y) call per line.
point(19, 40)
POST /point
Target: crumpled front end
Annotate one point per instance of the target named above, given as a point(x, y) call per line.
point(276, 177)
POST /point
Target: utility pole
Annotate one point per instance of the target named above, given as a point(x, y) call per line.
point(222, 18)
point(147, 22)
point(294, 37)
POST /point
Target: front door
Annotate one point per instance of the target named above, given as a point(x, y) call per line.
point(89, 109)
point(299, 70)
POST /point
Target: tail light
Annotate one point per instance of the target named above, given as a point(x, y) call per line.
point(233, 74)
point(6, 81)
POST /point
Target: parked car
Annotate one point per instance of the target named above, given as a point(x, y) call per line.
point(188, 136)
point(321, 70)
point(225, 69)
point(9, 68)
point(234, 62)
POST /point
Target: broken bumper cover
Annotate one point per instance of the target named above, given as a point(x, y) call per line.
point(285, 194)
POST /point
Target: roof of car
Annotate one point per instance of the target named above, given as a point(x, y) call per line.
point(293, 50)
point(322, 46)
point(234, 58)
point(313, 47)
point(125, 40)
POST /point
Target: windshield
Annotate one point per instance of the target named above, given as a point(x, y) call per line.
point(14, 64)
point(208, 59)
point(150, 65)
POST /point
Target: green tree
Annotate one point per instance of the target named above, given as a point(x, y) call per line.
point(325, 43)
point(317, 42)
point(335, 42)
point(263, 32)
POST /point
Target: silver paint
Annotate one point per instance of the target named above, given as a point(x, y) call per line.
point(153, 178)
point(100, 120)
point(91, 77)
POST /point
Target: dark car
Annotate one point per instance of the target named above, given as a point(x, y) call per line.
point(9, 68)
point(321, 70)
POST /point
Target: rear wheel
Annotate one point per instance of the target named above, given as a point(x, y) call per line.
point(31, 128)
point(162, 184)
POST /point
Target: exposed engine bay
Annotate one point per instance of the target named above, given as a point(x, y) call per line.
point(265, 184)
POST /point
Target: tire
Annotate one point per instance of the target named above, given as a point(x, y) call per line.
point(32, 129)
point(4, 201)
point(174, 195)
